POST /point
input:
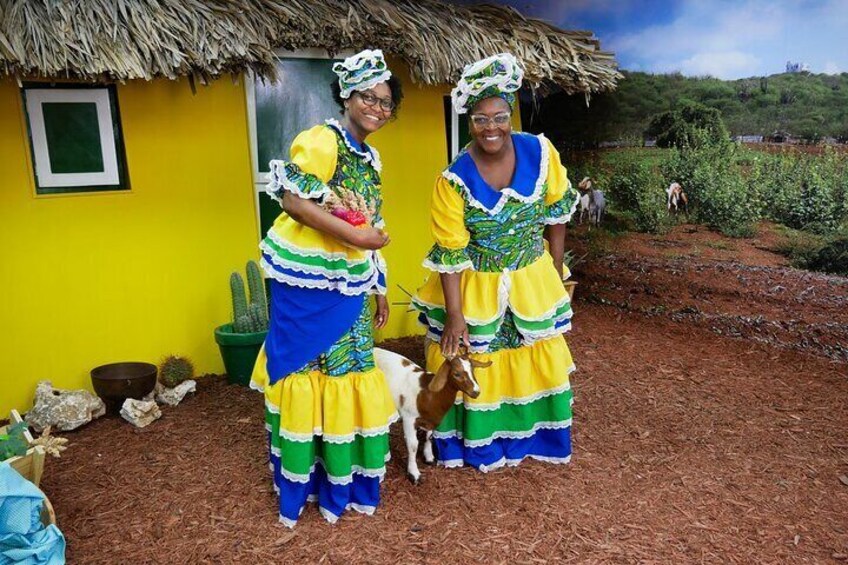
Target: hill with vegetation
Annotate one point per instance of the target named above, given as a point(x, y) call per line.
point(805, 105)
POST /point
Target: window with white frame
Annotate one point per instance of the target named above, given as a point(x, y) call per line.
point(75, 138)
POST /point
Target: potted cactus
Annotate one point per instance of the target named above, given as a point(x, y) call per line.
point(241, 339)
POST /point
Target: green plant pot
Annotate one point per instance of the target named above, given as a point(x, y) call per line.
point(239, 352)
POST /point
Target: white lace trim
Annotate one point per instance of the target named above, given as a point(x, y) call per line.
point(339, 285)
point(559, 425)
point(372, 157)
point(534, 337)
point(564, 219)
point(312, 252)
point(451, 463)
point(313, 269)
point(343, 480)
point(516, 401)
point(441, 268)
point(508, 192)
point(546, 315)
point(515, 462)
point(361, 508)
point(382, 269)
point(279, 179)
point(287, 522)
point(339, 439)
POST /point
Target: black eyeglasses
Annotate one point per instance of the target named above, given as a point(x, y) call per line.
point(481, 120)
point(369, 99)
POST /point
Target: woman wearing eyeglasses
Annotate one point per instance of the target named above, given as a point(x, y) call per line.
point(496, 287)
point(327, 406)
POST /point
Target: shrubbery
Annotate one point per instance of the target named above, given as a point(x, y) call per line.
point(719, 195)
point(690, 125)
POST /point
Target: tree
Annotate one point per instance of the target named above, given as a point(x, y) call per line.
point(688, 125)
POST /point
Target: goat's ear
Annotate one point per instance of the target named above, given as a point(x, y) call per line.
point(441, 378)
point(479, 364)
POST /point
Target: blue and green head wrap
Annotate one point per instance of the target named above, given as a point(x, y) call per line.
point(361, 71)
point(498, 75)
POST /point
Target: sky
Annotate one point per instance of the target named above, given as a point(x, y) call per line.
point(727, 39)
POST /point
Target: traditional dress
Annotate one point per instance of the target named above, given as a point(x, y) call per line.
point(327, 406)
point(514, 304)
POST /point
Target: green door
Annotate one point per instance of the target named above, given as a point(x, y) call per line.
point(300, 99)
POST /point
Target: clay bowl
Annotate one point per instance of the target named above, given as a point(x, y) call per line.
point(116, 382)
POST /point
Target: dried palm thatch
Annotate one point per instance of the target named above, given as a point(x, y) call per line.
point(130, 39)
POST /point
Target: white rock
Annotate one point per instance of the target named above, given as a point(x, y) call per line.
point(173, 396)
point(140, 413)
point(63, 409)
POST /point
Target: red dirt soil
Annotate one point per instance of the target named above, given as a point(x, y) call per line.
point(689, 445)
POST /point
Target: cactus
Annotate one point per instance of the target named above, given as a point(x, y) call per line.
point(256, 284)
point(252, 317)
point(239, 301)
point(174, 369)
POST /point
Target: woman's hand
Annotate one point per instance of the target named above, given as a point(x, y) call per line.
point(454, 335)
point(368, 238)
point(382, 315)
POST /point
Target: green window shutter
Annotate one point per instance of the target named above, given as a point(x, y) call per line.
point(73, 137)
point(300, 100)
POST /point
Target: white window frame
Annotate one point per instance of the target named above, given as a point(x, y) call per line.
point(46, 178)
point(454, 133)
point(260, 179)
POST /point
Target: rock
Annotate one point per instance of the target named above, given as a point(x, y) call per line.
point(63, 409)
point(140, 413)
point(173, 396)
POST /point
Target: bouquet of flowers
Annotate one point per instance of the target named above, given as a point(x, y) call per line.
point(350, 207)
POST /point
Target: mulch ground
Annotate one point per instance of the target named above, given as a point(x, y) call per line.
point(690, 445)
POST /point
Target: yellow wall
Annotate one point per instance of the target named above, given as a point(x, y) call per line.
point(103, 277)
point(414, 151)
point(95, 278)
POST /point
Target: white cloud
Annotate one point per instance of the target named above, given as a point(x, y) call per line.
point(831, 68)
point(734, 39)
point(724, 65)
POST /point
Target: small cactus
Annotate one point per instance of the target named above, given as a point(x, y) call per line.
point(253, 316)
point(174, 369)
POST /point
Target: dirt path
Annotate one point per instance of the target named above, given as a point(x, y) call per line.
point(690, 446)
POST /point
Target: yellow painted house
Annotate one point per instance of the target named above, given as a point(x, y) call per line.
point(134, 145)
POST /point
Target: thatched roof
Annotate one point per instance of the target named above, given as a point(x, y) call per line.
point(130, 39)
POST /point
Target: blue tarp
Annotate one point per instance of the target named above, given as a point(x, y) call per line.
point(23, 537)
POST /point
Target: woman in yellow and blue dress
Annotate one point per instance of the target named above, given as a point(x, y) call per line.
point(327, 406)
point(496, 287)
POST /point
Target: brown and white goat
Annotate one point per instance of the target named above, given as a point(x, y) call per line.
point(422, 398)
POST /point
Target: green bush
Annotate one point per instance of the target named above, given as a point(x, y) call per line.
point(638, 188)
point(719, 196)
point(831, 258)
point(803, 191)
point(689, 125)
point(814, 252)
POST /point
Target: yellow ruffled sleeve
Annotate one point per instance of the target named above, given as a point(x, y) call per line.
point(314, 155)
point(560, 198)
point(447, 225)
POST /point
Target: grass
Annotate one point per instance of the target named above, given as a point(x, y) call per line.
point(721, 245)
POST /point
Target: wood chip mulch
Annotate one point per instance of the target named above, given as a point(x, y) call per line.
point(689, 446)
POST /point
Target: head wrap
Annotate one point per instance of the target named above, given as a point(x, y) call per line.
point(361, 71)
point(498, 75)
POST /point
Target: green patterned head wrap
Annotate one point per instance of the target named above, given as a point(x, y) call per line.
point(361, 71)
point(498, 75)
